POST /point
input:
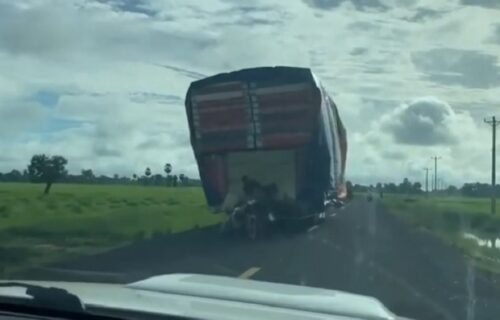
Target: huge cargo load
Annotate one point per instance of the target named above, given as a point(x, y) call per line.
point(272, 125)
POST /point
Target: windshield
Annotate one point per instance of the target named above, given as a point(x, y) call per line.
point(338, 144)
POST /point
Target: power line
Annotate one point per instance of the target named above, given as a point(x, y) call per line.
point(493, 122)
point(436, 158)
point(427, 179)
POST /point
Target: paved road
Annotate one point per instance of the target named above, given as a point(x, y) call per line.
point(363, 249)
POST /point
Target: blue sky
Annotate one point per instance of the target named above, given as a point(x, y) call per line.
point(103, 82)
point(46, 98)
point(50, 99)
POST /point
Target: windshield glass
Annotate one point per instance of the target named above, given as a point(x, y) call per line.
point(338, 144)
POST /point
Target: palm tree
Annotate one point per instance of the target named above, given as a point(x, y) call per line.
point(147, 173)
point(168, 169)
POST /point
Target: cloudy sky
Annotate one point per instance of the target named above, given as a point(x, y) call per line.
point(102, 82)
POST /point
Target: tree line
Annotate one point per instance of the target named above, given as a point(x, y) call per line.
point(471, 189)
point(51, 169)
point(406, 186)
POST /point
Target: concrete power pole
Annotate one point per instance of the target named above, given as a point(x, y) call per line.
point(436, 158)
point(427, 179)
point(493, 122)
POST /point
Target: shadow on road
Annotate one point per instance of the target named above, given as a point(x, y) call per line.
point(203, 250)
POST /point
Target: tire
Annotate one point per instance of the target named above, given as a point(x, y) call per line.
point(254, 224)
point(251, 226)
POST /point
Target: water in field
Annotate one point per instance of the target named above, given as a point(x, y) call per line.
point(493, 242)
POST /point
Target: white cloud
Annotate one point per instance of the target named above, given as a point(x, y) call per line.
point(404, 140)
point(423, 122)
point(122, 70)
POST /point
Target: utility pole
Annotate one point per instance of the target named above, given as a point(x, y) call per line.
point(436, 158)
point(493, 122)
point(427, 179)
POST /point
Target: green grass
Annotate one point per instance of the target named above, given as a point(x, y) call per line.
point(446, 213)
point(80, 219)
point(449, 218)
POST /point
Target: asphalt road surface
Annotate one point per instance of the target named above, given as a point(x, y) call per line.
point(362, 249)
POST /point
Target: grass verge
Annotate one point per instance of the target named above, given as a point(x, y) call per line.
point(461, 222)
point(76, 220)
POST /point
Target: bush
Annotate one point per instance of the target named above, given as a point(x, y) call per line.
point(84, 202)
point(172, 202)
point(51, 205)
point(132, 203)
point(492, 226)
point(114, 200)
point(75, 208)
point(452, 221)
point(477, 221)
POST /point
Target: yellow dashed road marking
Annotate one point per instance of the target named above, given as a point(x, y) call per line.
point(249, 273)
